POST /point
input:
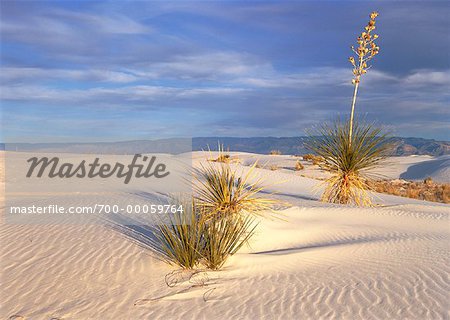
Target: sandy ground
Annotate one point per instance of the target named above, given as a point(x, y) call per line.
point(321, 262)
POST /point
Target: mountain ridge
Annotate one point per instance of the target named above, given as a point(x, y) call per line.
point(262, 145)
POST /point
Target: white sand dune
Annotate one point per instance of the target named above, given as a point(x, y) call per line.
point(438, 169)
point(408, 167)
point(321, 262)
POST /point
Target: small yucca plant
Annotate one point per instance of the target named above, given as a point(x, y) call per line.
point(224, 236)
point(222, 191)
point(351, 148)
point(231, 203)
point(218, 221)
point(181, 237)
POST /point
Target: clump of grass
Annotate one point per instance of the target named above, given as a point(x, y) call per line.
point(275, 152)
point(298, 166)
point(273, 167)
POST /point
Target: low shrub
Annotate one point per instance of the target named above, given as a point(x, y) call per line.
point(308, 157)
point(426, 190)
point(275, 152)
point(298, 166)
point(315, 160)
point(225, 158)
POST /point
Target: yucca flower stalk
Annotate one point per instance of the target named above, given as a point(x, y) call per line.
point(367, 49)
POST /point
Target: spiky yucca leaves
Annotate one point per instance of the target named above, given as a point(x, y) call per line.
point(217, 222)
point(349, 161)
point(224, 236)
point(181, 237)
point(222, 191)
point(195, 237)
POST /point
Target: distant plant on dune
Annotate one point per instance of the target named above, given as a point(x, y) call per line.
point(273, 167)
point(349, 149)
point(275, 152)
point(225, 158)
point(222, 156)
point(298, 166)
point(314, 159)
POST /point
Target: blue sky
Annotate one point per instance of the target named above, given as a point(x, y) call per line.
point(105, 71)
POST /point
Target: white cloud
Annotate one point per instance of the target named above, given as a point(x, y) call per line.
point(101, 95)
point(11, 74)
point(208, 66)
point(427, 78)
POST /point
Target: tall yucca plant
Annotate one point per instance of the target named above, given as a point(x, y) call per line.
point(352, 148)
point(350, 164)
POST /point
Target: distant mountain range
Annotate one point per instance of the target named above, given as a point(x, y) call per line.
point(261, 145)
point(297, 145)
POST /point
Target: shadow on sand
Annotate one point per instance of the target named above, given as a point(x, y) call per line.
point(145, 236)
point(335, 243)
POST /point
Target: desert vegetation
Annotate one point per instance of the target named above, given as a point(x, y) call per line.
point(217, 221)
point(350, 148)
point(275, 152)
point(298, 166)
point(225, 158)
point(314, 159)
point(422, 190)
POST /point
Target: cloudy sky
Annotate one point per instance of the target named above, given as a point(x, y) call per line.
point(103, 71)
